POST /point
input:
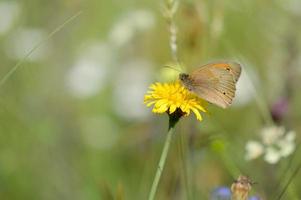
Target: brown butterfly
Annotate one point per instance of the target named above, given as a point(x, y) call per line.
point(214, 82)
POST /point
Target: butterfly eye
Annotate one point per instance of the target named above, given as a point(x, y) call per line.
point(224, 93)
point(228, 69)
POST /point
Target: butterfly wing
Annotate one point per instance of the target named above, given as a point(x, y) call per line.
point(216, 82)
point(232, 67)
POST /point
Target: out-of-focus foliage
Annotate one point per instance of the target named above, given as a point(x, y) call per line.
point(72, 120)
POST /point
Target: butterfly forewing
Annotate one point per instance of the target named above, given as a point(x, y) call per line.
point(235, 70)
point(215, 82)
point(232, 67)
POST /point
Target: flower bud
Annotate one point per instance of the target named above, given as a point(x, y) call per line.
point(240, 188)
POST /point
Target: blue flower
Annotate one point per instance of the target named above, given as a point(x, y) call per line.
point(221, 193)
point(254, 198)
point(224, 193)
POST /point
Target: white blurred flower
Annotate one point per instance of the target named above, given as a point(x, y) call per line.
point(85, 78)
point(143, 19)
point(276, 144)
point(254, 149)
point(131, 23)
point(287, 145)
point(88, 75)
point(23, 40)
point(272, 155)
point(271, 135)
point(9, 12)
point(293, 6)
point(131, 82)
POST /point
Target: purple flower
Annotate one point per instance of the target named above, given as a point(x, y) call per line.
point(254, 198)
point(279, 109)
point(221, 193)
point(224, 193)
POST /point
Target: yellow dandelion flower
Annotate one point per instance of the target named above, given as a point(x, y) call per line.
point(169, 97)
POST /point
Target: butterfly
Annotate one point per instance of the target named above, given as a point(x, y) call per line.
point(214, 82)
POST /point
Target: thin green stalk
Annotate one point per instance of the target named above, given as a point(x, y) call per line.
point(161, 163)
point(170, 10)
point(294, 174)
point(287, 169)
point(229, 164)
point(37, 46)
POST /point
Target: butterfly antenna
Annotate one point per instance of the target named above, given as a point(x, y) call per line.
point(170, 67)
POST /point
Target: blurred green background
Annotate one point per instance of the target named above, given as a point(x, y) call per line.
point(72, 120)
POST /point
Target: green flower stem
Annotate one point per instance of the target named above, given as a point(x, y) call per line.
point(173, 119)
point(161, 163)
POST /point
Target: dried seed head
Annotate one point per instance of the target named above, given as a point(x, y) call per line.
point(241, 187)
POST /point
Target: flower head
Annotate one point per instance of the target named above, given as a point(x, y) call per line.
point(241, 188)
point(225, 193)
point(254, 149)
point(169, 97)
point(279, 109)
point(221, 193)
